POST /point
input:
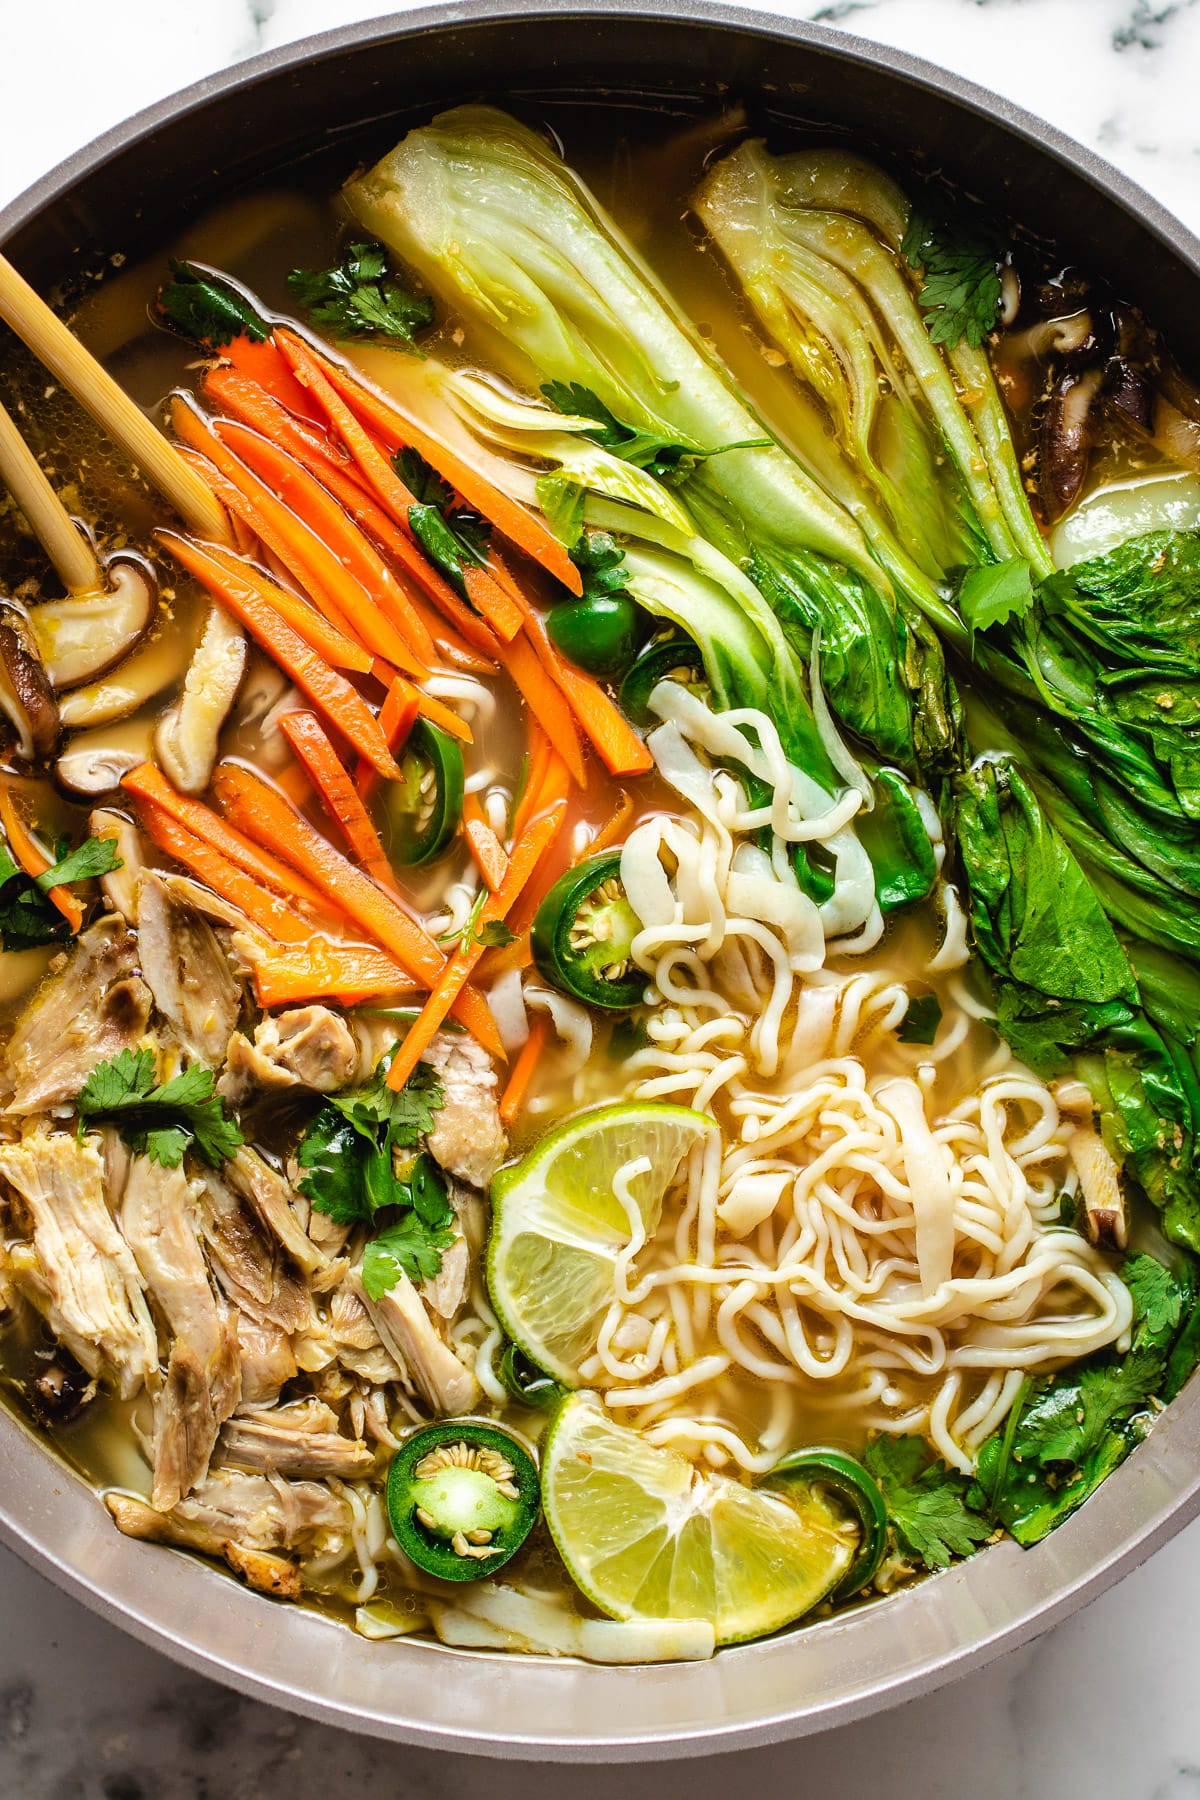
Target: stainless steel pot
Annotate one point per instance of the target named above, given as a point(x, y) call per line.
point(363, 85)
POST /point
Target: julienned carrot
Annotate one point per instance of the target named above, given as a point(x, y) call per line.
point(261, 908)
point(436, 711)
point(322, 970)
point(146, 782)
point(611, 830)
point(306, 437)
point(253, 806)
point(329, 691)
point(304, 551)
point(513, 1097)
point(34, 860)
point(537, 760)
point(387, 487)
point(312, 502)
point(546, 701)
point(263, 363)
point(326, 638)
point(620, 748)
point(509, 517)
point(397, 716)
point(490, 856)
point(303, 732)
point(523, 860)
point(490, 599)
point(554, 786)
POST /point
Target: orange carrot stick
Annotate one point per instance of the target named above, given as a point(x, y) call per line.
point(491, 601)
point(303, 732)
point(387, 487)
point(216, 872)
point(328, 690)
point(490, 856)
point(397, 716)
point(508, 516)
point(34, 860)
point(611, 830)
point(262, 363)
point(537, 761)
point(322, 970)
point(526, 853)
point(312, 502)
point(513, 1097)
point(253, 806)
point(146, 782)
point(436, 711)
point(545, 700)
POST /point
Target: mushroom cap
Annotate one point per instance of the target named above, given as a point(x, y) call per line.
point(26, 696)
point(81, 636)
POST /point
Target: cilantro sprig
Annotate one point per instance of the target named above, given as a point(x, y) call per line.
point(453, 537)
point(354, 1172)
point(670, 460)
point(493, 934)
point(960, 267)
point(926, 1501)
point(359, 298)
point(202, 306)
point(160, 1120)
point(28, 917)
point(995, 594)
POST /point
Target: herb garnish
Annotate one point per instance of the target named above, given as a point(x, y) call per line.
point(452, 537)
point(669, 459)
point(160, 1121)
point(960, 265)
point(926, 1501)
point(202, 306)
point(28, 917)
point(359, 298)
point(350, 1174)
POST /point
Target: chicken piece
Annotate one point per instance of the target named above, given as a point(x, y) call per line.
point(445, 1293)
point(249, 1262)
point(267, 1360)
point(79, 1271)
point(273, 1201)
point(357, 1343)
point(301, 1438)
point(120, 887)
point(467, 1137)
point(306, 1047)
point(188, 974)
point(203, 1383)
point(94, 1005)
point(244, 1518)
point(406, 1331)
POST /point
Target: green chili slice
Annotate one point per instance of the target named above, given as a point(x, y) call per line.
point(674, 657)
point(583, 934)
point(527, 1383)
point(858, 1491)
point(599, 633)
point(421, 814)
point(462, 1497)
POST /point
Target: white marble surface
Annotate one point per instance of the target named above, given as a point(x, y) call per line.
point(1104, 1708)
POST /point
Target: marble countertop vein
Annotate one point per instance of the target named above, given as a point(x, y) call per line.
point(1103, 1708)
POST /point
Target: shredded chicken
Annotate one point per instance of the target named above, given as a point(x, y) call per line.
point(203, 1382)
point(266, 1358)
point(78, 1270)
point(307, 1047)
point(92, 1006)
point(407, 1332)
point(467, 1137)
point(249, 1261)
point(273, 1201)
point(187, 970)
point(120, 886)
point(356, 1342)
point(301, 1438)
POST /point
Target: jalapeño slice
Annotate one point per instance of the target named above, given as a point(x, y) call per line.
point(421, 814)
point(858, 1491)
point(583, 933)
point(462, 1497)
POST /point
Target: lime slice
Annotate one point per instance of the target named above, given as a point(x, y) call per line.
point(558, 1227)
point(645, 1535)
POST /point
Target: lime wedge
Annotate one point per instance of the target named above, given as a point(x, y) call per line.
point(645, 1535)
point(558, 1226)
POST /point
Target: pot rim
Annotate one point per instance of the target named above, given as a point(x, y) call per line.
point(754, 1694)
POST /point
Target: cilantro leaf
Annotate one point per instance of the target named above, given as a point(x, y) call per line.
point(494, 934)
point(332, 1153)
point(921, 1020)
point(1066, 1424)
point(960, 267)
point(95, 856)
point(995, 593)
point(601, 565)
point(28, 917)
point(669, 459)
point(160, 1122)
point(452, 537)
point(926, 1501)
point(408, 1247)
point(1157, 1297)
point(202, 306)
point(359, 298)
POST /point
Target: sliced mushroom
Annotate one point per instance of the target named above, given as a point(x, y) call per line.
point(153, 666)
point(1068, 428)
point(26, 697)
point(96, 762)
point(81, 636)
point(120, 887)
point(188, 733)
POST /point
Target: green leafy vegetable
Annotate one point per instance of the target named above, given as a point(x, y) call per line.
point(995, 593)
point(960, 267)
point(921, 1020)
point(926, 1501)
point(28, 917)
point(359, 298)
point(355, 1171)
point(1158, 1299)
point(208, 308)
point(160, 1121)
point(668, 459)
point(450, 536)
